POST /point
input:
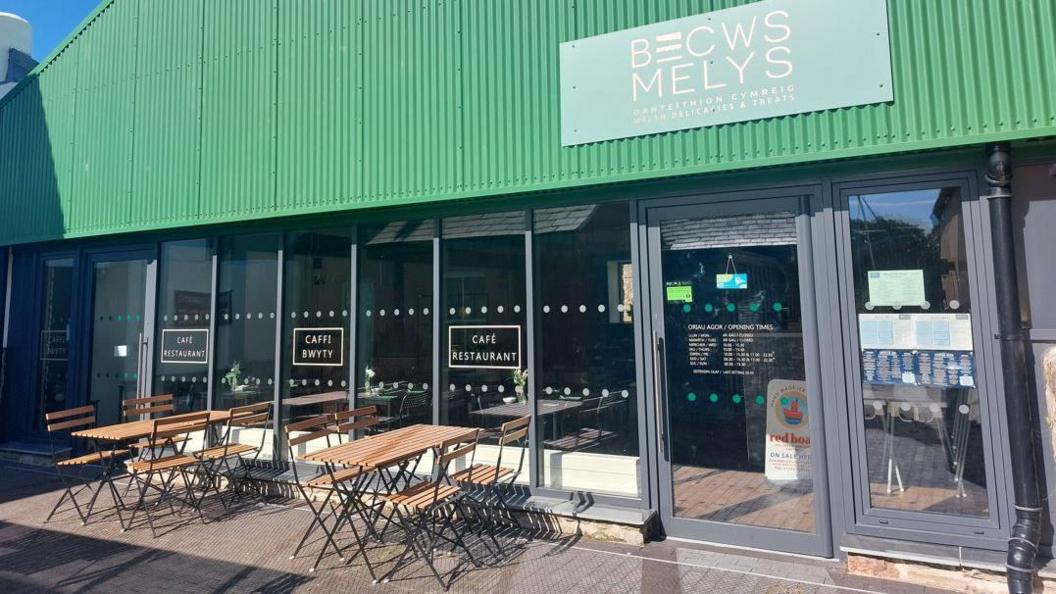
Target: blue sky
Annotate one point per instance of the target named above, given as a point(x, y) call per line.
point(52, 20)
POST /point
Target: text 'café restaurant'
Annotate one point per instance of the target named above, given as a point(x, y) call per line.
point(772, 274)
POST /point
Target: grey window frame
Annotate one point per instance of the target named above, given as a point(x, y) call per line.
point(883, 522)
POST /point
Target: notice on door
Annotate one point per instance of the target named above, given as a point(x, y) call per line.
point(319, 347)
point(53, 345)
point(185, 346)
point(484, 347)
point(788, 451)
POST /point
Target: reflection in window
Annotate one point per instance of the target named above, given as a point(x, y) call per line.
point(53, 358)
point(483, 294)
point(318, 288)
point(245, 324)
point(395, 322)
point(923, 424)
point(184, 304)
point(586, 392)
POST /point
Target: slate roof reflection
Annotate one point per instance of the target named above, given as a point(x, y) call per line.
point(567, 218)
point(484, 225)
point(734, 231)
point(400, 231)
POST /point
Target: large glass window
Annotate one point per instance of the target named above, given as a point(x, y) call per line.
point(53, 358)
point(395, 321)
point(483, 334)
point(923, 424)
point(586, 394)
point(184, 304)
point(318, 289)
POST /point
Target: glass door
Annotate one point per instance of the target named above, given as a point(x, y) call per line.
point(735, 349)
point(119, 337)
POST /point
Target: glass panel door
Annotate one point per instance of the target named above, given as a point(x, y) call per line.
point(119, 351)
point(53, 359)
point(733, 337)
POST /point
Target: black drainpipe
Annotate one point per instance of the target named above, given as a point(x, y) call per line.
point(1026, 532)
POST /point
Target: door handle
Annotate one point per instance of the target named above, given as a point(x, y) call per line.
point(658, 391)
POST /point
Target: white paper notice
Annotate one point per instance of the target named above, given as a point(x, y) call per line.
point(788, 451)
point(916, 332)
point(896, 288)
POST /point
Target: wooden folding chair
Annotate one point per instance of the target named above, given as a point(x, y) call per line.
point(164, 433)
point(147, 407)
point(494, 482)
point(217, 460)
point(429, 509)
point(320, 427)
point(70, 420)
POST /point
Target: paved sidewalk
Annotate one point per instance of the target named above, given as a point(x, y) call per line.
point(248, 550)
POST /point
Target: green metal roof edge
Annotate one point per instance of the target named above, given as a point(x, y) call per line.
point(61, 47)
point(814, 159)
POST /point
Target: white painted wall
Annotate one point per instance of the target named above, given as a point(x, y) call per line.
point(15, 32)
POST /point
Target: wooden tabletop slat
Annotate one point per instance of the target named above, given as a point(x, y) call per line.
point(140, 429)
point(377, 451)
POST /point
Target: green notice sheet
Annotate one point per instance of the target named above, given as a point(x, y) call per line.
point(679, 292)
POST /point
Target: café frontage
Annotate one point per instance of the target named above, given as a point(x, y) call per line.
point(748, 266)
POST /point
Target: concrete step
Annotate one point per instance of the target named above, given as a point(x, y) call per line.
point(29, 453)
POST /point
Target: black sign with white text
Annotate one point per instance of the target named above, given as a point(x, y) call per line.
point(189, 346)
point(319, 347)
point(484, 347)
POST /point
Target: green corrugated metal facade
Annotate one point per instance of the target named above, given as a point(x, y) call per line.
point(160, 114)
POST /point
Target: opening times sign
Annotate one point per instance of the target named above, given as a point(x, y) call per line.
point(764, 59)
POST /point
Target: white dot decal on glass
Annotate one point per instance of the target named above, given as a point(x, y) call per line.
point(344, 313)
point(207, 316)
point(293, 382)
point(469, 310)
point(381, 385)
point(317, 382)
point(601, 308)
point(343, 383)
point(546, 309)
point(451, 311)
point(954, 304)
point(869, 305)
point(425, 386)
point(271, 315)
point(195, 316)
point(381, 312)
point(586, 391)
point(484, 388)
point(582, 309)
point(905, 406)
point(237, 316)
point(226, 316)
point(318, 314)
point(605, 392)
point(619, 307)
point(925, 305)
point(963, 409)
point(269, 381)
point(502, 389)
point(367, 313)
point(257, 381)
point(293, 315)
point(483, 309)
point(395, 312)
point(451, 387)
point(330, 383)
point(410, 386)
point(567, 391)
point(331, 313)
point(625, 393)
point(500, 309)
point(249, 315)
point(548, 390)
point(564, 309)
point(469, 388)
point(516, 309)
point(425, 311)
point(183, 378)
point(410, 311)
point(304, 382)
point(878, 405)
point(305, 314)
point(185, 317)
point(164, 318)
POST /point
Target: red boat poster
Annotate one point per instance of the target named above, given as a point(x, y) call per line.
point(788, 453)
